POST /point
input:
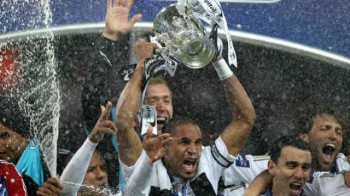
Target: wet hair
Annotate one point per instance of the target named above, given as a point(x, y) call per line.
point(285, 141)
point(171, 124)
point(13, 117)
point(159, 80)
point(305, 116)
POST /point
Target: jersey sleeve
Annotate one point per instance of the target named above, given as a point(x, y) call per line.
point(209, 163)
point(242, 172)
point(127, 171)
point(74, 173)
point(139, 182)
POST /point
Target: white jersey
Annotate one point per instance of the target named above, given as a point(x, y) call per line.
point(329, 183)
point(242, 172)
point(150, 176)
point(325, 184)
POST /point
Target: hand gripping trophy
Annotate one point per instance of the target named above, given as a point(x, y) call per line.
point(182, 38)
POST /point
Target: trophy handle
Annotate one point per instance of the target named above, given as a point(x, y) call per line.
point(159, 63)
point(214, 38)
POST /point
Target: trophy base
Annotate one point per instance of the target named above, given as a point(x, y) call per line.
point(198, 53)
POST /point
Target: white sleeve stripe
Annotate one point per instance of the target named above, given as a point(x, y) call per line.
point(219, 158)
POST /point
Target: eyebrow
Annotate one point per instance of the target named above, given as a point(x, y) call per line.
point(187, 139)
point(329, 125)
point(184, 139)
point(291, 163)
point(158, 97)
point(295, 163)
point(306, 165)
point(95, 166)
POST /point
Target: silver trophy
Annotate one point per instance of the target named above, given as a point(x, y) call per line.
point(183, 37)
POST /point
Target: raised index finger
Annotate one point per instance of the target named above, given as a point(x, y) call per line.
point(106, 112)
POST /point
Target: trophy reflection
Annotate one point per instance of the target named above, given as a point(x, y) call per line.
point(183, 36)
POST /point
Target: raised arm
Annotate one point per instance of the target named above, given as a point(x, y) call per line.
point(102, 79)
point(242, 110)
point(117, 19)
point(129, 143)
point(259, 184)
point(74, 173)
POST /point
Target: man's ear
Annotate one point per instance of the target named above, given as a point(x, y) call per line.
point(304, 136)
point(271, 167)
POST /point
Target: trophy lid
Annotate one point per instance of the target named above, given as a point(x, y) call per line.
point(164, 20)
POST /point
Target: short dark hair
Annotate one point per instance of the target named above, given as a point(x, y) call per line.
point(171, 124)
point(305, 116)
point(12, 116)
point(285, 141)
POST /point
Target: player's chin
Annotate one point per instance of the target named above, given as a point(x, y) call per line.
point(187, 175)
point(189, 169)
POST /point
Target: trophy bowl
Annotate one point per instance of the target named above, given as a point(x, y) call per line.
point(183, 36)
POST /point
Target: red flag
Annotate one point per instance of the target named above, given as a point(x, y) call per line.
point(9, 67)
point(13, 180)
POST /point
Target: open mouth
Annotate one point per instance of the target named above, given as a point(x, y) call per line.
point(190, 165)
point(161, 120)
point(296, 187)
point(328, 149)
point(327, 154)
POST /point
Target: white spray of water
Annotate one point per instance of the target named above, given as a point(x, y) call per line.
point(41, 97)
